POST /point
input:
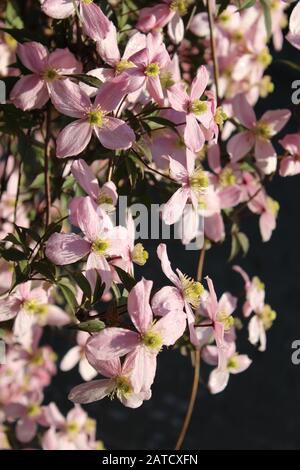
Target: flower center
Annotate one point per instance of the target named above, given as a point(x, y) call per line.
point(100, 246)
point(199, 180)
point(263, 130)
point(273, 206)
point(227, 178)
point(264, 57)
point(266, 86)
point(50, 75)
point(123, 386)
point(152, 70)
point(166, 80)
point(33, 307)
point(152, 340)
point(87, 2)
point(124, 65)
point(258, 283)
point(192, 290)
point(227, 320)
point(37, 359)
point(33, 410)
point(139, 255)
point(198, 107)
point(224, 17)
point(180, 6)
point(232, 363)
point(72, 428)
point(105, 199)
point(220, 117)
point(267, 316)
point(96, 118)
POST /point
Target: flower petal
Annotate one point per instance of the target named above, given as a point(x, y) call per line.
point(115, 135)
point(63, 248)
point(91, 391)
point(73, 139)
point(139, 305)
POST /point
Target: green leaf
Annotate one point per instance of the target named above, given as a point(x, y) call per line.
point(91, 326)
point(69, 296)
point(83, 283)
point(243, 242)
point(21, 35)
point(246, 4)
point(38, 182)
point(12, 16)
point(87, 79)
point(235, 248)
point(162, 121)
point(267, 16)
point(12, 254)
point(45, 268)
point(128, 281)
point(99, 289)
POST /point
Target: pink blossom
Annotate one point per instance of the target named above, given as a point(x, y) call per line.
point(259, 324)
point(76, 355)
point(235, 364)
point(95, 24)
point(290, 164)
point(185, 295)
point(33, 91)
point(112, 133)
point(294, 29)
point(257, 134)
point(268, 209)
point(143, 344)
point(117, 382)
point(196, 110)
point(254, 290)
point(101, 241)
point(29, 307)
point(106, 196)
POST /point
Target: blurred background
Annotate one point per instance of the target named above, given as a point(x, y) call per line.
point(260, 409)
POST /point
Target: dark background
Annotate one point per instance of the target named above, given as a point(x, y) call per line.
point(260, 409)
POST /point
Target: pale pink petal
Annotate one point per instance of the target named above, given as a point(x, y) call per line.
point(23, 328)
point(64, 62)
point(166, 265)
point(276, 119)
point(243, 363)
point(239, 145)
point(264, 149)
point(193, 135)
point(171, 327)
point(63, 248)
point(25, 430)
point(9, 309)
point(95, 23)
point(139, 305)
point(68, 98)
point(97, 264)
point(85, 177)
point(56, 316)
point(227, 303)
point(58, 9)
point(243, 111)
point(112, 343)
point(155, 89)
point(176, 29)
point(173, 209)
point(167, 300)
point(33, 55)
point(108, 48)
point(267, 223)
point(73, 139)
point(112, 92)
point(199, 83)
point(254, 329)
point(178, 171)
point(86, 371)
point(30, 92)
point(214, 228)
point(210, 355)
point(291, 143)
point(218, 380)
point(214, 158)
point(289, 167)
point(71, 359)
point(116, 134)
point(88, 220)
point(109, 369)
point(143, 373)
point(91, 391)
point(230, 196)
point(178, 98)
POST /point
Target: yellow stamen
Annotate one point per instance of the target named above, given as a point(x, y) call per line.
point(263, 130)
point(180, 6)
point(258, 283)
point(266, 86)
point(192, 290)
point(220, 117)
point(152, 70)
point(166, 80)
point(33, 410)
point(273, 205)
point(264, 57)
point(123, 386)
point(152, 340)
point(50, 75)
point(33, 307)
point(139, 255)
point(199, 180)
point(96, 118)
point(198, 107)
point(73, 428)
point(232, 363)
point(268, 316)
point(227, 320)
point(123, 65)
point(227, 177)
point(100, 246)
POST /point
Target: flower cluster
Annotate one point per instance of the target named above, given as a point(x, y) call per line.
point(148, 103)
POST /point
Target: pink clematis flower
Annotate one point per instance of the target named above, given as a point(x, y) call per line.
point(117, 382)
point(235, 364)
point(290, 164)
point(219, 314)
point(268, 209)
point(101, 241)
point(33, 91)
point(185, 295)
point(145, 343)
point(112, 133)
point(105, 197)
point(169, 12)
point(95, 24)
point(30, 307)
point(193, 183)
point(294, 27)
point(195, 110)
point(261, 322)
point(257, 135)
point(255, 292)
point(28, 413)
point(77, 355)
point(149, 63)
